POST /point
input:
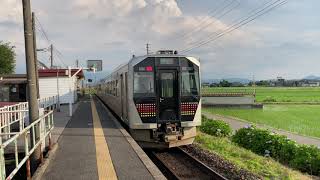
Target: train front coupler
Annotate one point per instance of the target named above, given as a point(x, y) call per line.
point(169, 132)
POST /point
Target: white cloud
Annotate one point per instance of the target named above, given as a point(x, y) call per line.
point(106, 8)
point(114, 29)
point(103, 27)
point(11, 11)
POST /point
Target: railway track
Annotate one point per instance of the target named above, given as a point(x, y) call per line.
point(176, 163)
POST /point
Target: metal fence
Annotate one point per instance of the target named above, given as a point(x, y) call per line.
point(15, 132)
point(15, 116)
point(45, 124)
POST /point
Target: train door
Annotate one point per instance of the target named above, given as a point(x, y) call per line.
point(125, 104)
point(168, 95)
point(122, 95)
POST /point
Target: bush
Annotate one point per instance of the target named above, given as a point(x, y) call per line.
point(269, 99)
point(307, 159)
point(263, 142)
point(215, 127)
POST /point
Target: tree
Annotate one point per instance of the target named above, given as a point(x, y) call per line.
point(262, 83)
point(224, 83)
point(7, 58)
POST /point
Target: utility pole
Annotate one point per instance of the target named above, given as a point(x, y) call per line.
point(70, 92)
point(31, 77)
point(35, 52)
point(77, 63)
point(51, 56)
point(254, 88)
point(148, 48)
point(58, 90)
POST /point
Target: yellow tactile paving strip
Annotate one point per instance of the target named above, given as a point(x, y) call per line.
point(106, 170)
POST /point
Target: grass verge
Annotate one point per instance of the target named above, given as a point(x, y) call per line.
point(265, 167)
point(300, 119)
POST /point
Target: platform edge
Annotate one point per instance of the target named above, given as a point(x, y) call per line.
point(151, 167)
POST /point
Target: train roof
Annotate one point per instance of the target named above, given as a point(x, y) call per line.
point(157, 55)
point(140, 58)
point(136, 59)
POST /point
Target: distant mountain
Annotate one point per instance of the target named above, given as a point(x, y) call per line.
point(232, 80)
point(312, 77)
point(210, 80)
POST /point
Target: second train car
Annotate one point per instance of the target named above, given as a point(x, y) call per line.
point(158, 97)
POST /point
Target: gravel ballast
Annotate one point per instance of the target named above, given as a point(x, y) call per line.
point(219, 164)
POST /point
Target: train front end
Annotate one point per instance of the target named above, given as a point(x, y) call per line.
point(166, 100)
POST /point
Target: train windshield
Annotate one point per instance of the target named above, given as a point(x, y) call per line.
point(143, 83)
point(190, 85)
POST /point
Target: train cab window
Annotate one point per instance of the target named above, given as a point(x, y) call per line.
point(143, 83)
point(167, 85)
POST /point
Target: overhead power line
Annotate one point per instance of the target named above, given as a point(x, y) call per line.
point(252, 12)
point(237, 25)
point(59, 56)
point(43, 31)
point(214, 13)
point(216, 19)
point(209, 14)
point(40, 32)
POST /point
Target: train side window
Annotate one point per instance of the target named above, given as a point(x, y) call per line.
point(126, 83)
point(111, 88)
point(190, 83)
point(116, 89)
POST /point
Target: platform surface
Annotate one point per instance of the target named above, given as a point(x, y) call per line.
point(92, 146)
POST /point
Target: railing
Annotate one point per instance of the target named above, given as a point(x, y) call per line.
point(17, 114)
point(45, 124)
point(43, 103)
point(11, 115)
point(48, 102)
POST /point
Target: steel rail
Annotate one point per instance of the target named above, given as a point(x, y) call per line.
point(172, 173)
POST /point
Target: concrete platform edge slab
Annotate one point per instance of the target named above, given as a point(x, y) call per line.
point(42, 168)
point(152, 168)
point(51, 154)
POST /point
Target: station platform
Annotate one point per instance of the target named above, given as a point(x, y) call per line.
point(93, 145)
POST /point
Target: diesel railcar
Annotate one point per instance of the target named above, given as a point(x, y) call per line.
point(157, 96)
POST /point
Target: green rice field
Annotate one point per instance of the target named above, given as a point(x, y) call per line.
point(301, 119)
point(275, 94)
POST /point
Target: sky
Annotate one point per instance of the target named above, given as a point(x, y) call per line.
point(285, 42)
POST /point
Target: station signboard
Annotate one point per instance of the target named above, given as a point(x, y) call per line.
point(97, 64)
